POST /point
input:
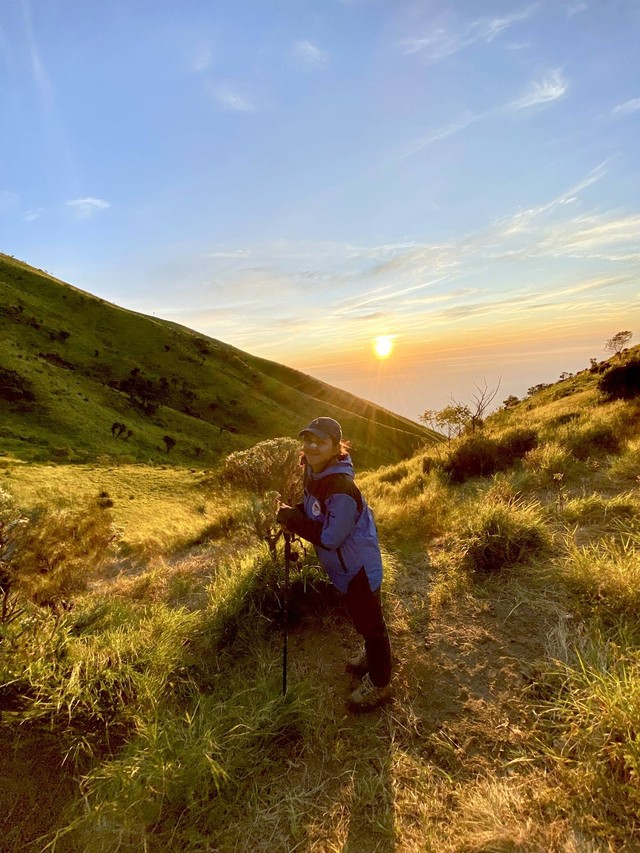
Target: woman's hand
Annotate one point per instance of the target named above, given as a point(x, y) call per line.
point(284, 515)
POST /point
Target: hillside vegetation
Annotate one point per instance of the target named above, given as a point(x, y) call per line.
point(141, 688)
point(81, 378)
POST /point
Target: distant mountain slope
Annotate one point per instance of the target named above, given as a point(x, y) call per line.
point(80, 378)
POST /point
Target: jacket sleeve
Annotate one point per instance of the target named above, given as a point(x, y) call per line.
point(340, 520)
point(297, 522)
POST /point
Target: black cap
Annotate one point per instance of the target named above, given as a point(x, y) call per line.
point(324, 428)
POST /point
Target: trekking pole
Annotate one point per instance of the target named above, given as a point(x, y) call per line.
point(285, 608)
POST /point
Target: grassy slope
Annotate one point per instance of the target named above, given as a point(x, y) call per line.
point(216, 397)
point(515, 724)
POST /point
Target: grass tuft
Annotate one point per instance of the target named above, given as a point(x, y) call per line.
point(501, 535)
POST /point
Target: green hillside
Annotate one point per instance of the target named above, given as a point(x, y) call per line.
point(82, 378)
point(141, 651)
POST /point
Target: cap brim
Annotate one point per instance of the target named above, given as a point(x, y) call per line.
point(317, 432)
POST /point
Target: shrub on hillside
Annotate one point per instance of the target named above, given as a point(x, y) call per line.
point(478, 455)
point(516, 442)
point(49, 555)
point(590, 439)
point(15, 388)
point(271, 472)
point(272, 465)
point(500, 536)
point(474, 456)
point(621, 382)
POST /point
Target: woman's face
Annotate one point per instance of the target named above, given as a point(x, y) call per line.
point(318, 451)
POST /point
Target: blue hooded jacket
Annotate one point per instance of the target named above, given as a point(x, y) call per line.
point(342, 528)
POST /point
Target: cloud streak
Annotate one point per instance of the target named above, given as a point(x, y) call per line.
point(552, 87)
point(228, 97)
point(626, 108)
point(87, 208)
point(307, 56)
point(441, 42)
point(40, 76)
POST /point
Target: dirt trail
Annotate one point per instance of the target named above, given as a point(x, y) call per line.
point(355, 788)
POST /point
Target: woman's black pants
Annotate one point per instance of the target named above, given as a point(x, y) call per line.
point(365, 609)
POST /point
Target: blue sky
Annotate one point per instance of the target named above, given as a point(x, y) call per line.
point(297, 178)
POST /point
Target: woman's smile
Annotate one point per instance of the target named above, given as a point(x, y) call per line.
point(318, 451)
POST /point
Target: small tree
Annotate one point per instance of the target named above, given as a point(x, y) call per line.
point(451, 420)
point(270, 471)
point(481, 401)
point(618, 342)
point(170, 442)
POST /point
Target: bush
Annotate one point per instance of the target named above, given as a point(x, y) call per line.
point(515, 443)
point(15, 388)
point(590, 439)
point(270, 466)
point(52, 552)
point(474, 456)
point(621, 382)
point(501, 536)
point(481, 456)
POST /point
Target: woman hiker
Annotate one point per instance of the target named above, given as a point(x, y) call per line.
point(335, 518)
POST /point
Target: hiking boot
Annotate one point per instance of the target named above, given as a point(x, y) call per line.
point(367, 695)
point(358, 663)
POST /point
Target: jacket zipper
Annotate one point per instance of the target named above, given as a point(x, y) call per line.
point(342, 563)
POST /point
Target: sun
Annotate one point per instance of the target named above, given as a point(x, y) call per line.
point(383, 346)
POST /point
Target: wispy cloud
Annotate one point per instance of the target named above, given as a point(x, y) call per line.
point(229, 98)
point(443, 132)
point(442, 42)
point(201, 58)
point(573, 8)
point(40, 76)
point(86, 208)
point(307, 55)
point(552, 87)
point(626, 108)
point(522, 220)
point(33, 214)
point(549, 89)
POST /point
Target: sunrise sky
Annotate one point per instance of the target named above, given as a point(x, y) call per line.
point(300, 177)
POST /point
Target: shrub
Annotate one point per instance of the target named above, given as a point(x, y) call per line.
point(593, 438)
point(501, 536)
point(480, 456)
point(516, 442)
point(53, 552)
point(272, 465)
point(15, 388)
point(474, 456)
point(621, 382)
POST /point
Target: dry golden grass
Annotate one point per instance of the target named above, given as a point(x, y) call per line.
point(157, 509)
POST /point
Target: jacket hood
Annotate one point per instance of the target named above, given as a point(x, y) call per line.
point(342, 465)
